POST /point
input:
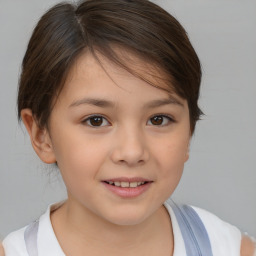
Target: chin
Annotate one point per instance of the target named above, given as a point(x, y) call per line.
point(128, 217)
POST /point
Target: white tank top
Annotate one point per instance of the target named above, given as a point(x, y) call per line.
point(196, 232)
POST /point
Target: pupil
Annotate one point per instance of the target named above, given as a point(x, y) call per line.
point(157, 120)
point(96, 121)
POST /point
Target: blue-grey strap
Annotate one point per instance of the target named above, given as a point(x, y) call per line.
point(193, 231)
point(30, 236)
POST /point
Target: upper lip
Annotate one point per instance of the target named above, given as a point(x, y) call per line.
point(127, 179)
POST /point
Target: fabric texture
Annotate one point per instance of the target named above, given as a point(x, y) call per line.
point(224, 238)
point(193, 231)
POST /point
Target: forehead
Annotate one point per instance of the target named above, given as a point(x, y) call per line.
point(102, 83)
point(122, 65)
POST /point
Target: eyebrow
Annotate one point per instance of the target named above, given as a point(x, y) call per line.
point(109, 104)
point(162, 102)
point(93, 101)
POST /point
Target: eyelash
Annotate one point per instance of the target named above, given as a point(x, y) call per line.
point(87, 120)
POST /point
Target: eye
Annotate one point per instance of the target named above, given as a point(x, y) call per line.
point(161, 120)
point(96, 121)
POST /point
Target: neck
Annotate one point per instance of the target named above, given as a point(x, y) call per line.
point(85, 229)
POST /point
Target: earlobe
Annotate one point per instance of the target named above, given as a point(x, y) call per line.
point(39, 137)
point(187, 156)
point(187, 153)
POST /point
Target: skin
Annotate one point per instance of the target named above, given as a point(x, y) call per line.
point(248, 248)
point(94, 220)
point(1, 250)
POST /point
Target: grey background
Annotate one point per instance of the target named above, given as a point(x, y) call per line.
point(221, 173)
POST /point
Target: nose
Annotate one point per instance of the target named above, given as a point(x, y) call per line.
point(130, 148)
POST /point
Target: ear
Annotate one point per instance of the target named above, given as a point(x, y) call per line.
point(186, 156)
point(187, 153)
point(40, 138)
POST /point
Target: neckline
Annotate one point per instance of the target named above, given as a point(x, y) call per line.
point(48, 243)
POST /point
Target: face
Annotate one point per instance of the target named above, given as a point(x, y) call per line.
point(120, 144)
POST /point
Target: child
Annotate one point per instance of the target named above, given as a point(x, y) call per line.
point(108, 92)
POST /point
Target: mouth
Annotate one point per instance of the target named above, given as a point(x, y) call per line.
point(127, 187)
point(126, 184)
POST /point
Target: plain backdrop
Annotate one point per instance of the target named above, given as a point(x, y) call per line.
point(221, 173)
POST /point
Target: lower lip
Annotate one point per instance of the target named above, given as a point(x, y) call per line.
point(128, 192)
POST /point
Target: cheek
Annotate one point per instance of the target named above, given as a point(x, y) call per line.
point(171, 158)
point(78, 157)
point(171, 169)
point(173, 152)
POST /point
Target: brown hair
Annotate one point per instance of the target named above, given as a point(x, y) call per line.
point(140, 26)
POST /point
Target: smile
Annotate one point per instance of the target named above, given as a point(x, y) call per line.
point(127, 187)
point(125, 184)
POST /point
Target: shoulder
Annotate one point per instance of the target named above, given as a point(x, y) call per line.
point(38, 235)
point(14, 243)
point(225, 238)
point(1, 250)
point(248, 246)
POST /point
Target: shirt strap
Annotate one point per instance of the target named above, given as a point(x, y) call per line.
point(193, 231)
point(30, 236)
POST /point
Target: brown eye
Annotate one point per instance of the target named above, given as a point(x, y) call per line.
point(161, 120)
point(96, 121)
point(157, 120)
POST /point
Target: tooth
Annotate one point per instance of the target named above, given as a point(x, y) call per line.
point(124, 184)
point(111, 182)
point(117, 183)
point(139, 183)
point(142, 183)
point(133, 184)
